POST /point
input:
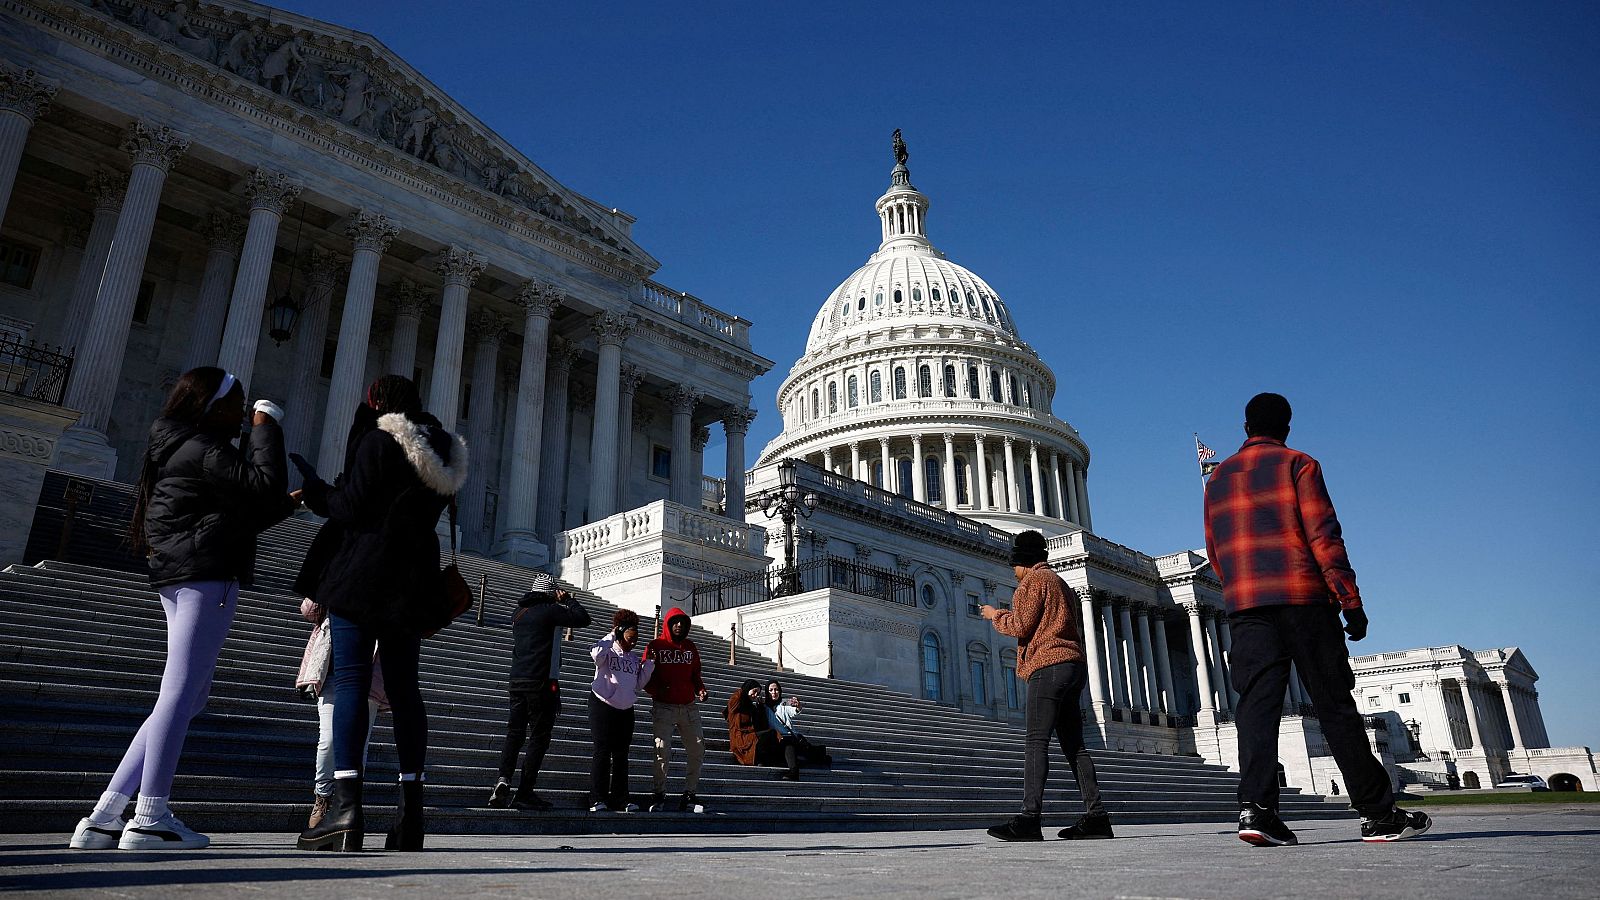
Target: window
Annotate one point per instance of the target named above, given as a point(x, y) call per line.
point(932, 677)
point(862, 303)
point(971, 302)
point(994, 386)
point(935, 296)
point(973, 604)
point(1405, 698)
point(875, 387)
point(853, 393)
point(979, 671)
point(815, 410)
point(916, 295)
point(898, 296)
point(987, 311)
point(1015, 396)
point(1372, 702)
point(949, 381)
point(1008, 674)
point(899, 382)
point(961, 481)
point(1027, 488)
point(928, 599)
point(972, 382)
point(903, 481)
point(833, 397)
point(924, 382)
point(18, 263)
point(877, 473)
point(877, 299)
point(934, 480)
point(661, 462)
point(143, 302)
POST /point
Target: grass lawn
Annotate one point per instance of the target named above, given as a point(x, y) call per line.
point(1500, 799)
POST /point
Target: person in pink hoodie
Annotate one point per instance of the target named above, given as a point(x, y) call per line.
point(620, 673)
point(674, 689)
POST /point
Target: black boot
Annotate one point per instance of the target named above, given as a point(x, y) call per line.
point(407, 831)
point(1021, 828)
point(342, 827)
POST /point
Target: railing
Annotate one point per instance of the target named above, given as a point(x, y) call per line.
point(35, 371)
point(875, 411)
point(1377, 723)
point(691, 309)
point(812, 575)
point(1303, 710)
point(813, 477)
point(661, 518)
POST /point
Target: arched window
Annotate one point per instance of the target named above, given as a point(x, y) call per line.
point(928, 599)
point(935, 296)
point(902, 471)
point(875, 387)
point(1027, 488)
point(924, 382)
point(987, 311)
point(815, 409)
point(852, 392)
point(972, 382)
point(877, 299)
point(934, 478)
point(961, 481)
point(994, 386)
point(877, 473)
point(898, 297)
point(916, 295)
point(978, 672)
point(971, 302)
point(862, 303)
point(833, 397)
point(1008, 674)
point(1047, 501)
point(899, 382)
point(1015, 397)
point(932, 668)
point(949, 380)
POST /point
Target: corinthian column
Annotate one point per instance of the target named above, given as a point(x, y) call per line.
point(520, 544)
point(1164, 665)
point(1136, 683)
point(487, 330)
point(1197, 645)
point(409, 302)
point(683, 401)
point(1151, 684)
point(610, 331)
point(1013, 502)
point(223, 233)
point(734, 427)
point(887, 462)
point(1035, 477)
point(371, 233)
point(310, 342)
point(1091, 652)
point(98, 368)
point(557, 425)
point(1087, 519)
point(1119, 682)
point(627, 386)
point(950, 498)
point(459, 268)
point(1221, 678)
point(24, 97)
point(1074, 515)
point(919, 486)
point(1055, 484)
point(107, 189)
point(270, 195)
point(980, 477)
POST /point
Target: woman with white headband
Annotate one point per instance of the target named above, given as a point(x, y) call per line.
point(201, 502)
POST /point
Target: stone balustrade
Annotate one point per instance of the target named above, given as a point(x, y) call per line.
point(691, 310)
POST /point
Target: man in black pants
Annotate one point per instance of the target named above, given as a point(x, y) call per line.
point(1274, 541)
point(535, 692)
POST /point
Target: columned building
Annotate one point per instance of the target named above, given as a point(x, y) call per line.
point(235, 185)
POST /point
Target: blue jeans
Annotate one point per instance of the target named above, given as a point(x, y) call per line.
point(352, 684)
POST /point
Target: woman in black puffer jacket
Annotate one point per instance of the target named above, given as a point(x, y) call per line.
point(201, 503)
point(380, 582)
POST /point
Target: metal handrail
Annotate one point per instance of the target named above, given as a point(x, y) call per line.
point(36, 371)
point(812, 575)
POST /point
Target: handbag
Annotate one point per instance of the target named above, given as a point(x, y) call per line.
point(316, 661)
point(456, 597)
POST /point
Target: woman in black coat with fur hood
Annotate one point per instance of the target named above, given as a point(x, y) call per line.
point(378, 577)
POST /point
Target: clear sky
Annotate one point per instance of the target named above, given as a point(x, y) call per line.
point(1387, 212)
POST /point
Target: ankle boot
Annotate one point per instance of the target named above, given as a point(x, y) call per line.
point(407, 831)
point(342, 826)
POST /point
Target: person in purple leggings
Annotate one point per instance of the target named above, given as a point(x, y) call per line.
point(201, 502)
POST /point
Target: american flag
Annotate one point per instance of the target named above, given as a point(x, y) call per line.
point(1204, 451)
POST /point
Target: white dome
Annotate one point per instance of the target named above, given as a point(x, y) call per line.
point(907, 283)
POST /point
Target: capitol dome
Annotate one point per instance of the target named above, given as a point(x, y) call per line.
point(915, 380)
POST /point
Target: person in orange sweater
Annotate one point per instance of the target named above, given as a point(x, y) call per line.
point(1045, 621)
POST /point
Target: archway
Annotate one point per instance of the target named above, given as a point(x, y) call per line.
point(1469, 779)
point(1564, 782)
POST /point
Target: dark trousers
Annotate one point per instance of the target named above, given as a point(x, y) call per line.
point(1053, 694)
point(352, 683)
point(1265, 642)
point(611, 729)
point(532, 710)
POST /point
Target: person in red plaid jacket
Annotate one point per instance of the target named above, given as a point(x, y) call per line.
point(1274, 541)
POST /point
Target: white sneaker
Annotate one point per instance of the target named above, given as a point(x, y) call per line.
point(631, 807)
point(89, 836)
point(599, 807)
point(168, 833)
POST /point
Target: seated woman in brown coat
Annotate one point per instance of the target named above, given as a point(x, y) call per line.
point(751, 739)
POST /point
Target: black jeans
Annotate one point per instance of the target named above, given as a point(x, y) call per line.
point(534, 710)
point(1053, 694)
point(1265, 641)
point(611, 729)
point(352, 682)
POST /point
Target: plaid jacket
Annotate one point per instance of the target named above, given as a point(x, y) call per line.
point(1271, 532)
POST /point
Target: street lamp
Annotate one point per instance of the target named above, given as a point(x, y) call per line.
point(788, 503)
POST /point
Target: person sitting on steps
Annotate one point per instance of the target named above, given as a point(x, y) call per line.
point(750, 737)
point(781, 714)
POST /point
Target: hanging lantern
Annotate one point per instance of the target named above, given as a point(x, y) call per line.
point(281, 316)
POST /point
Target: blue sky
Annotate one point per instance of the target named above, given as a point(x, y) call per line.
point(1387, 212)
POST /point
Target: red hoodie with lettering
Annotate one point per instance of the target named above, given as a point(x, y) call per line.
point(677, 676)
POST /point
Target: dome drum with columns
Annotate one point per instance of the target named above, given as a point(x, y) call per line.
point(914, 379)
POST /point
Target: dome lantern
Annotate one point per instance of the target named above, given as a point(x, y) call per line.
point(902, 209)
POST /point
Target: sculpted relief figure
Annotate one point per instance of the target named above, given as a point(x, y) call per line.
point(242, 54)
point(357, 93)
point(174, 28)
point(418, 125)
point(280, 68)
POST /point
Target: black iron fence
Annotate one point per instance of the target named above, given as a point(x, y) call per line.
point(812, 575)
point(35, 371)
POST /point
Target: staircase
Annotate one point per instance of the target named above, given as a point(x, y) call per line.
point(81, 656)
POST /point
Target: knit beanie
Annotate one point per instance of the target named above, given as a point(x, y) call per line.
point(1028, 549)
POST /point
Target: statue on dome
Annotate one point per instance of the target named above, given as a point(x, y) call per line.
point(900, 154)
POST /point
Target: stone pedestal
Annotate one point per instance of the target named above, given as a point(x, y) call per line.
point(30, 438)
point(87, 452)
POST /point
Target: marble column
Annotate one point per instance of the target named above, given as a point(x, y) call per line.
point(459, 268)
point(1169, 698)
point(1090, 627)
point(855, 461)
point(486, 331)
point(270, 195)
point(1083, 499)
point(610, 331)
point(1136, 680)
point(980, 477)
point(98, 366)
point(627, 388)
point(1119, 685)
point(735, 425)
point(682, 400)
point(1226, 632)
point(557, 429)
point(1469, 698)
point(1513, 714)
point(1151, 684)
point(370, 233)
point(310, 341)
point(919, 484)
point(1073, 515)
point(1197, 646)
point(697, 465)
point(1013, 498)
point(24, 97)
point(409, 303)
point(520, 543)
point(1055, 486)
point(223, 233)
point(887, 462)
point(108, 189)
point(1035, 478)
point(950, 498)
point(1219, 676)
point(827, 458)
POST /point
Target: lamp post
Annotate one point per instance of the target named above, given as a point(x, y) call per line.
point(787, 503)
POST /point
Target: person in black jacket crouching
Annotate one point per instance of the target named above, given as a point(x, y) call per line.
point(535, 692)
point(381, 585)
point(201, 501)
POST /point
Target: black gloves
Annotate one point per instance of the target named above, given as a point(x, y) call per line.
point(1355, 623)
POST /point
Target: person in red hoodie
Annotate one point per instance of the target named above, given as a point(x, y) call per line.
point(674, 690)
